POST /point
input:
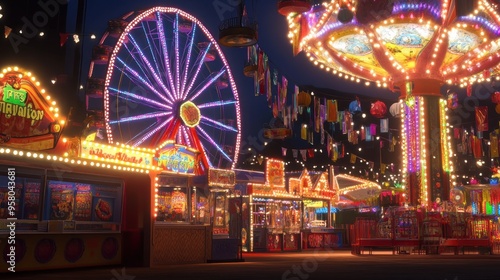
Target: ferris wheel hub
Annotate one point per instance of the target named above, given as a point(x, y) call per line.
point(189, 114)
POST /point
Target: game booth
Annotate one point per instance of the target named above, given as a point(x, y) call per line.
point(272, 216)
point(319, 194)
point(62, 200)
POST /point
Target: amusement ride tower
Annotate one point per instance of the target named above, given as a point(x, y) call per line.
point(413, 48)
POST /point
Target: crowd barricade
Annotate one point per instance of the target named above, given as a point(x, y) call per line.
point(411, 231)
point(476, 238)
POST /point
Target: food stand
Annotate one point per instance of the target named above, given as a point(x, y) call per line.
point(318, 195)
point(274, 213)
point(226, 208)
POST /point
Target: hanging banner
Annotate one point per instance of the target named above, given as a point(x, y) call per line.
point(383, 166)
point(331, 110)
point(384, 125)
point(7, 31)
point(295, 103)
point(477, 147)
point(295, 153)
point(482, 118)
point(303, 132)
point(261, 71)
point(494, 145)
point(269, 84)
point(284, 90)
point(310, 152)
point(353, 158)
point(373, 129)
point(283, 151)
point(303, 153)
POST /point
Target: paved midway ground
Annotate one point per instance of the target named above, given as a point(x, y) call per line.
point(310, 265)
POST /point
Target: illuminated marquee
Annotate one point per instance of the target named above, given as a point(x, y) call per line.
point(105, 152)
point(275, 173)
point(28, 116)
point(221, 178)
point(176, 158)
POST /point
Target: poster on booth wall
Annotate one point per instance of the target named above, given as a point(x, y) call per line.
point(106, 204)
point(62, 200)
point(31, 199)
point(83, 202)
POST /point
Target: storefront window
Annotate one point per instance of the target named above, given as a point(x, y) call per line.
point(291, 210)
point(275, 215)
point(200, 207)
point(221, 215)
point(259, 214)
point(27, 198)
point(315, 213)
point(172, 204)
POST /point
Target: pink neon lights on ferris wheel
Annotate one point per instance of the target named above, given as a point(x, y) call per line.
point(153, 70)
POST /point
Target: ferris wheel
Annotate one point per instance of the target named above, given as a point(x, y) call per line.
point(166, 79)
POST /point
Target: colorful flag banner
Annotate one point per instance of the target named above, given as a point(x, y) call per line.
point(63, 38)
point(303, 153)
point(303, 132)
point(384, 125)
point(482, 118)
point(353, 158)
point(310, 153)
point(331, 111)
point(295, 103)
point(494, 145)
point(7, 31)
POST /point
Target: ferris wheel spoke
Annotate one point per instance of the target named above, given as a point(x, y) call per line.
point(186, 136)
point(142, 117)
point(177, 60)
point(217, 124)
point(216, 104)
point(152, 46)
point(208, 82)
point(200, 147)
point(210, 164)
point(200, 61)
point(145, 60)
point(139, 65)
point(188, 61)
point(134, 76)
point(152, 132)
point(145, 130)
point(125, 95)
point(212, 142)
point(163, 42)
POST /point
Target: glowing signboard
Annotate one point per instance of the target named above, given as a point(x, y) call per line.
point(105, 152)
point(221, 178)
point(275, 173)
point(29, 118)
point(176, 158)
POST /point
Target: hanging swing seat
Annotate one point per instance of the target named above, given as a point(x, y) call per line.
point(238, 32)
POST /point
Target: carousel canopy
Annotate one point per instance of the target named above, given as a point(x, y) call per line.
point(392, 41)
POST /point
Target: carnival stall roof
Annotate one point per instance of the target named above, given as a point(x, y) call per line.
point(356, 191)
